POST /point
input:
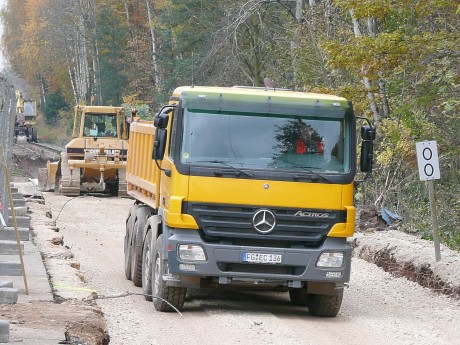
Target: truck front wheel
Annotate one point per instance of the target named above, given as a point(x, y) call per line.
point(174, 295)
point(324, 305)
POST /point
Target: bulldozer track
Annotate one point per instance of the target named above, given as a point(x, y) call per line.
point(70, 182)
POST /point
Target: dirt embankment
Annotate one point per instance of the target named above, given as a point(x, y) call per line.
point(81, 322)
point(405, 255)
point(28, 158)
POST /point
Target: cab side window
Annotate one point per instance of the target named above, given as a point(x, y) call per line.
point(172, 139)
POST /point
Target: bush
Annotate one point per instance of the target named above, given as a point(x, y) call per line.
point(54, 103)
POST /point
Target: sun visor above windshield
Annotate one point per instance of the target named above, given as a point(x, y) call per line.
point(264, 104)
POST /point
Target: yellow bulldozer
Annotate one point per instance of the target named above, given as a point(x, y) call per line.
point(95, 159)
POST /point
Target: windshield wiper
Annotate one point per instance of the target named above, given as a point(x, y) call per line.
point(230, 166)
point(311, 172)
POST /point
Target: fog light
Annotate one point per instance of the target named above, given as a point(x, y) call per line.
point(330, 260)
point(187, 267)
point(191, 252)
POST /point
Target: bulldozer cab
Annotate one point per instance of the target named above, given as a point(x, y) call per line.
point(100, 122)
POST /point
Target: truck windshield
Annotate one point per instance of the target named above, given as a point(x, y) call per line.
point(267, 142)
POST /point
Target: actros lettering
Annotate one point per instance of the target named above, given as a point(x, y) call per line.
point(311, 214)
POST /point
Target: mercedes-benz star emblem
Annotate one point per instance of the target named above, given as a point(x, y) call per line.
point(264, 221)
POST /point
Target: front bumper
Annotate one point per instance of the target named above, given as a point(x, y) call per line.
point(224, 262)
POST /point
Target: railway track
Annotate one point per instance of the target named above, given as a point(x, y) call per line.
point(50, 147)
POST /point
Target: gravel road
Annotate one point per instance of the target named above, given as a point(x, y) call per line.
point(377, 308)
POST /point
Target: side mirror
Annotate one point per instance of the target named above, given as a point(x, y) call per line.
point(162, 118)
point(159, 144)
point(161, 134)
point(368, 133)
point(367, 154)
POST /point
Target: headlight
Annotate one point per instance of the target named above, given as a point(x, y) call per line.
point(329, 260)
point(191, 252)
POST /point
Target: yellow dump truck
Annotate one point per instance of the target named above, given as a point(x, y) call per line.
point(244, 187)
point(95, 159)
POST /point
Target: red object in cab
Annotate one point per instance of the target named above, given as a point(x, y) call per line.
point(320, 146)
point(300, 147)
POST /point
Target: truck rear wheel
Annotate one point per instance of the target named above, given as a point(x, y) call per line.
point(174, 295)
point(128, 251)
point(129, 243)
point(324, 305)
point(142, 215)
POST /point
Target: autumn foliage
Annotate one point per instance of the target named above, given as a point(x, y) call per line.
point(398, 61)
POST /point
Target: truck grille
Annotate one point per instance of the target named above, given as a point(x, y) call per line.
point(235, 223)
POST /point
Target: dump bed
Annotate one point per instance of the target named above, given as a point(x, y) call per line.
point(142, 174)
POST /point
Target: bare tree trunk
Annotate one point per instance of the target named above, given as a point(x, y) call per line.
point(42, 91)
point(366, 80)
point(156, 72)
point(384, 97)
point(296, 40)
point(96, 77)
point(128, 20)
point(72, 82)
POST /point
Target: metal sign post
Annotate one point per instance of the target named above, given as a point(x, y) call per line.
point(428, 168)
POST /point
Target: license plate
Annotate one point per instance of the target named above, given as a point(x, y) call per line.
point(262, 258)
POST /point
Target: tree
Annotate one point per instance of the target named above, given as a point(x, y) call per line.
point(55, 103)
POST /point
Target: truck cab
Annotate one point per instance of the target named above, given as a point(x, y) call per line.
point(248, 187)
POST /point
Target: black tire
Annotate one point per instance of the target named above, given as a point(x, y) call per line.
point(325, 305)
point(34, 135)
point(147, 266)
point(128, 252)
point(142, 215)
point(136, 263)
point(174, 295)
point(128, 243)
point(298, 296)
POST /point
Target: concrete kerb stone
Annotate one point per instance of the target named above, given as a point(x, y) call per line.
point(10, 248)
point(16, 196)
point(23, 222)
point(20, 202)
point(21, 211)
point(10, 268)
point(14, 189)
point(6, 284)
point(8, 296)
point(9, 234)
point(4, 331)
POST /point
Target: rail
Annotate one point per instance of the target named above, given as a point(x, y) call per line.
point(50, 147)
